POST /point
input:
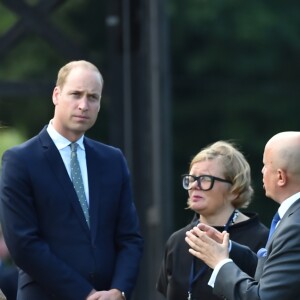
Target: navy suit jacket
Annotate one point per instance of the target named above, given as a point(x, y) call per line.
point(9, 280)
point(60, 257)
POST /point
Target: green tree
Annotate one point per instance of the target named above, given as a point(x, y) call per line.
point(235, 76)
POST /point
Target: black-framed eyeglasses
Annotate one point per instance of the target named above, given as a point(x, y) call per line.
point(204, 182)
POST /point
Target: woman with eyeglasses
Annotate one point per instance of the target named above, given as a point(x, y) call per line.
point(218, 185)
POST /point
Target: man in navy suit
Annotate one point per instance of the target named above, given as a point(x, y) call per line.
point(62, 253)
point(277, 274)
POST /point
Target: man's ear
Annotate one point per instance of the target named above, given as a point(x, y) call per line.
point(282, 178)
point(55, 95)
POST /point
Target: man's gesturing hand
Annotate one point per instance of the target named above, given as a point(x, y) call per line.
point(206, 248)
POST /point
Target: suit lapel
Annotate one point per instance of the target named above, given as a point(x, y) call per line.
point(94, 171)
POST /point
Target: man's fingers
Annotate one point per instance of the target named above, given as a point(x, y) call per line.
point(193, 241)
point(195, 253)
point(225, 239)
point(203, 227)
point(196, 231)
point(197, 239)
point(190, 238)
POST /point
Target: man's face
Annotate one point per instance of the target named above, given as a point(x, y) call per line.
point(77, 103)
point(269, 173)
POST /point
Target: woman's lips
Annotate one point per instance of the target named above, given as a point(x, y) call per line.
point(196, 198)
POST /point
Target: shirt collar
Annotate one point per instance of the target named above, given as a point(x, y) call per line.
point(287, 203)
point(60, 141)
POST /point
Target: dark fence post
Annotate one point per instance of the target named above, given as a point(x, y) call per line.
point(139, 95)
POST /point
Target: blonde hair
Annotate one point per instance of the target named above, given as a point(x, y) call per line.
point(66, 69)
point(235, 168)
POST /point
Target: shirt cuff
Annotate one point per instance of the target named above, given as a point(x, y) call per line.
point(216, 270)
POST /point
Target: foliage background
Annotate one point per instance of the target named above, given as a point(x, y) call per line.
point(235, 68)
point(235, 73)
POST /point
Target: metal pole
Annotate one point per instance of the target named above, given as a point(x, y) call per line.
point(127, 81)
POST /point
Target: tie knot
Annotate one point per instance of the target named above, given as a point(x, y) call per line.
point(73, 147)
point(274, 223)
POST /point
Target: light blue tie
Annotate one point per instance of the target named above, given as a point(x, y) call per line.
point(78, 182)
